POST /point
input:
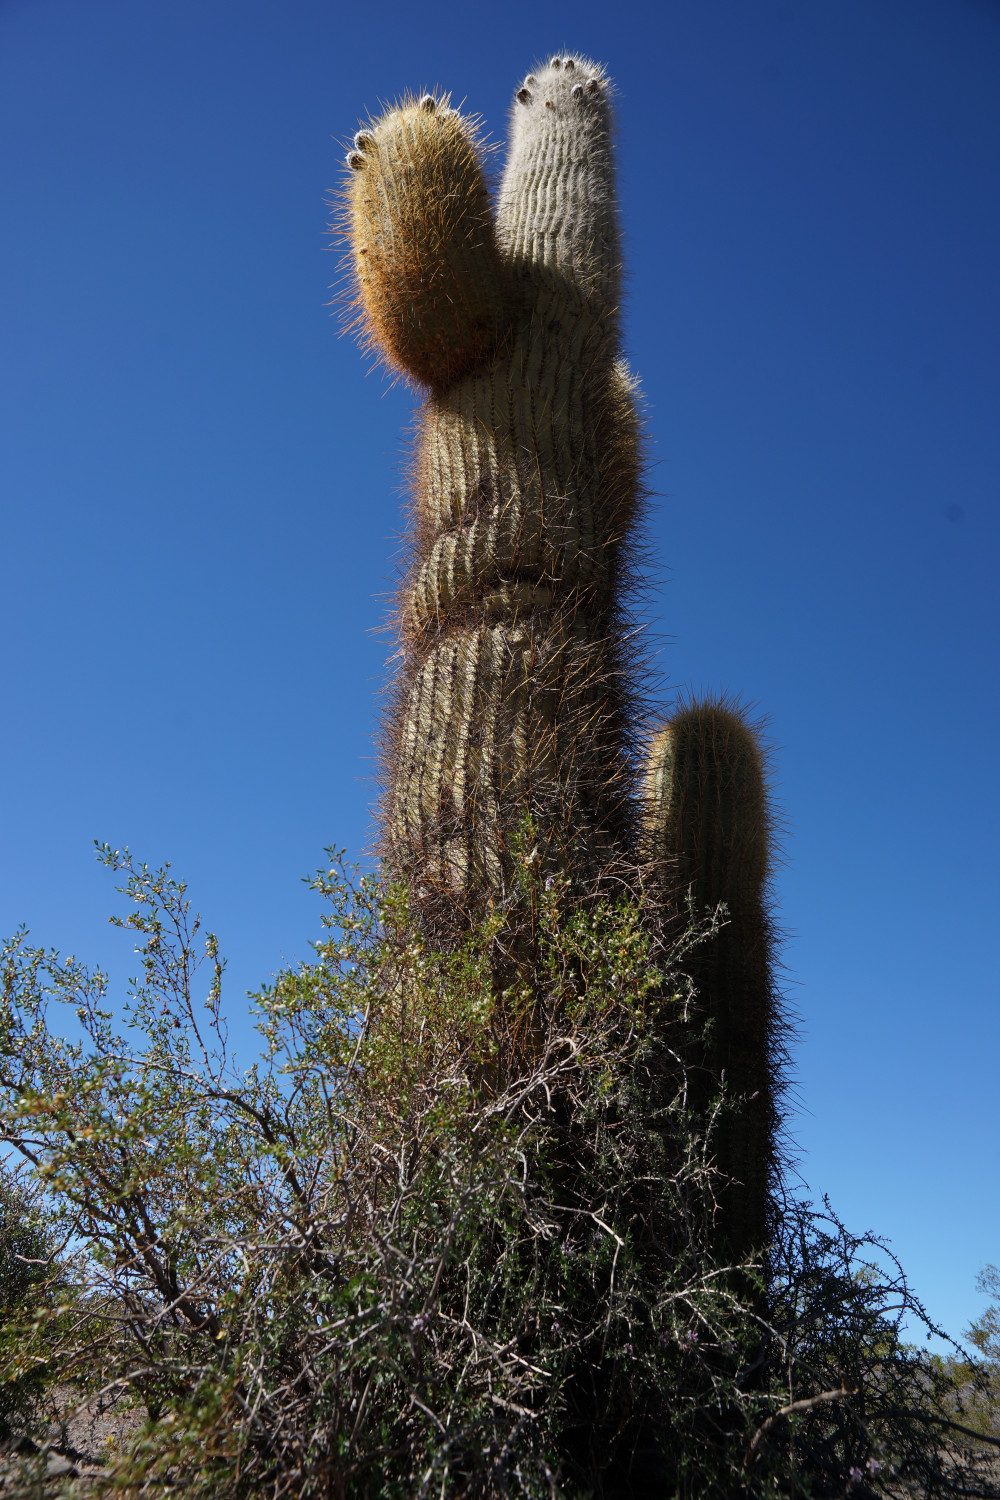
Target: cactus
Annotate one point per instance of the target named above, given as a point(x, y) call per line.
point(710, 837)
point(515, 694)
point(517, 690)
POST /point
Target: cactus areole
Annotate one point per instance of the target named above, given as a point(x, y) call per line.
point(515, 693)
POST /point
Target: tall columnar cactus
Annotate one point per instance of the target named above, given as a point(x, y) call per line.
point(711, 834)
point(514, 696)
point(516, 691)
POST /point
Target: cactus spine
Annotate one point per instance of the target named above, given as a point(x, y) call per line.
point(514, 696)
point(711, 834)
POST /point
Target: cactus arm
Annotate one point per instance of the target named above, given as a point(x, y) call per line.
point(557, 218)
point(710, 835)
point(431, 289)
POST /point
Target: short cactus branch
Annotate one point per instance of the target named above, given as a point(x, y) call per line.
point(430, 282)
point(710, 840)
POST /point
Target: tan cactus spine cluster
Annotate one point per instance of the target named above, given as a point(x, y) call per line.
point(514, 696)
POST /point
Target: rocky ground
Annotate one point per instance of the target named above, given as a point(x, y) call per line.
point(80, 1437)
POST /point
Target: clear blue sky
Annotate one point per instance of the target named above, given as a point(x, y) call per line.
point(200, 491)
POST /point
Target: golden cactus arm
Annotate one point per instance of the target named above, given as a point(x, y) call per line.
point(430, 283)
point(557, 218)
point(710, 836)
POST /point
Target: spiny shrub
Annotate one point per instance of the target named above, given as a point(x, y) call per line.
point(436, 1240)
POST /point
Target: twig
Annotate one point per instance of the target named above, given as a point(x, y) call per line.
point(806, 1404)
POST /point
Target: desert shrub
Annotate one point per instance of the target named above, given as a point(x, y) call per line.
point(972, 1377)
point(27, 1277)
point(451, 1234)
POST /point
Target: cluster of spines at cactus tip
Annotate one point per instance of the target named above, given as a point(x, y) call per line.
point(588, 87)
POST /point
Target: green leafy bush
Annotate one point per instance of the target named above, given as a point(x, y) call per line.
point(450, 1235)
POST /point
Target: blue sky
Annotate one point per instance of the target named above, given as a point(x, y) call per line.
point(200, 492)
